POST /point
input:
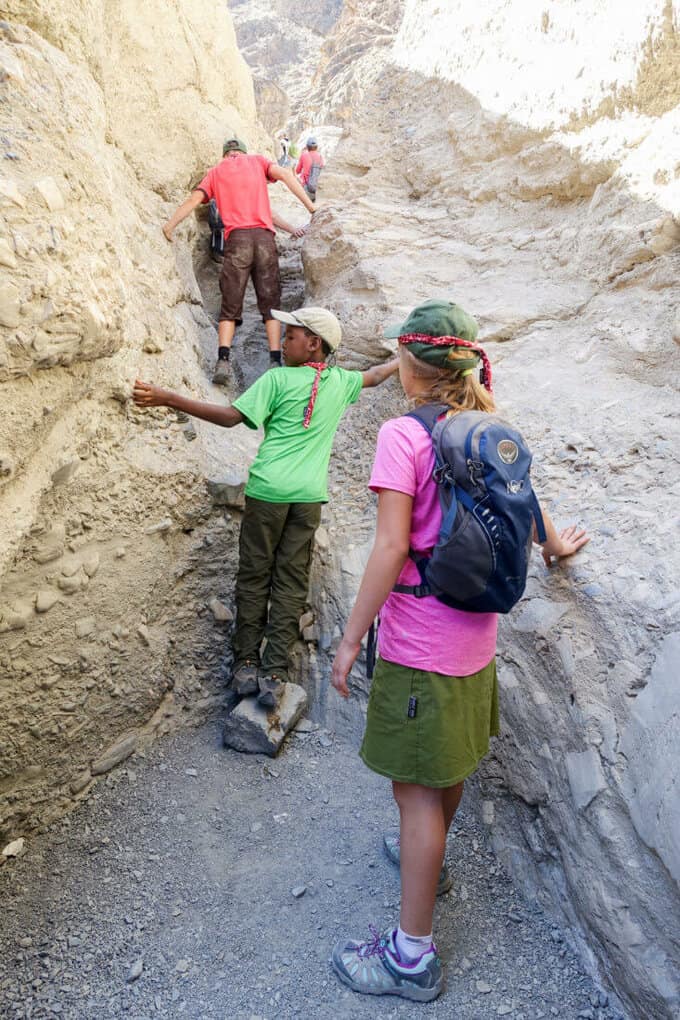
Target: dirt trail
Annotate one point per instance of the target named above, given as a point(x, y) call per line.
point(187, 861)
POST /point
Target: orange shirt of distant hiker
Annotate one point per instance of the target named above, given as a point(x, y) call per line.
point(239, 186)
point(305, 162)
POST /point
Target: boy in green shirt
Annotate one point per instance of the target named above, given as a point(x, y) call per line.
point(300, 407)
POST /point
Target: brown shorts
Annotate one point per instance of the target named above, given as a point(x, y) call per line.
point(248, 253)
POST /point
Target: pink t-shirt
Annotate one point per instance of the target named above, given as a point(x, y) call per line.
point(424, 633)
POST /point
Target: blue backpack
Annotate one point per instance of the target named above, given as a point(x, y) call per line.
point(481, 558)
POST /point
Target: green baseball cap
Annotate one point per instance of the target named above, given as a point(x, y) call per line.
point(436, 318)
point(234, 144)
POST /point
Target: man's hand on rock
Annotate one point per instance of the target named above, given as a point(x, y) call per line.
point(148, 395)
point(167, 233)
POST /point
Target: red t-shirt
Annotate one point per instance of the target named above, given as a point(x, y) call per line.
point(239, 186)
point(305, 164)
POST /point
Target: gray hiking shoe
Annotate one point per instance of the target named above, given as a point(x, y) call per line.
point(393, 851)
point(244, 678)
point(374, 967)
point(271, 689)
point(222, 374)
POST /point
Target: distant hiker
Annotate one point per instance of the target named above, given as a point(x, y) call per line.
point(309, 167)
point(434, 701)
point(300, 407)
point(285, 146)
point(217, 228)
point(239, 186)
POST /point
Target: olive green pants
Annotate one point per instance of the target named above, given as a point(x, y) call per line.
point(275, 553)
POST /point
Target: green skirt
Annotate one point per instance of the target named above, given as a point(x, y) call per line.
point(428, 728)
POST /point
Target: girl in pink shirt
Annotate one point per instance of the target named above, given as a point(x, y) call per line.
point(434, 700)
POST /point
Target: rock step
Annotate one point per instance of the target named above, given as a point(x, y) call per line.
point(255, 730)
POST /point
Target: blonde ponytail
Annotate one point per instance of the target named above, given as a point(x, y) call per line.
point(444, 386)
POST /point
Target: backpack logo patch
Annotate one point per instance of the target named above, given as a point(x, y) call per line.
point(508, 451)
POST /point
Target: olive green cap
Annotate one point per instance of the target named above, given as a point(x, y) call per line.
point(234, 144)
point(436, 318)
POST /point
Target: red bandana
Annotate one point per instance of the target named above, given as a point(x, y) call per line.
point(319, 366)
point(452, 341)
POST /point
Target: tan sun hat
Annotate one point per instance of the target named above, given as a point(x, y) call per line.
point(317, 320)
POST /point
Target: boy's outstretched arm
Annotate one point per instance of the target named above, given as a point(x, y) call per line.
point(148, 395)
point(566, 543)
point(376, 375)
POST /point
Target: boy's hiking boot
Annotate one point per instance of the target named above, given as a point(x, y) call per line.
point(271, 689)
point(244, 678)
point(375, 967)
point(222, 374)
point(393, 851)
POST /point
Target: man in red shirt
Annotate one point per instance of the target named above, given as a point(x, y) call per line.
point(239, 186)
point(310, 157)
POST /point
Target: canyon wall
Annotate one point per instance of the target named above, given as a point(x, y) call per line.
point(524, 160)
point(112, 548)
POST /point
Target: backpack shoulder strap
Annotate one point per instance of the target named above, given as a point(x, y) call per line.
point(538, 518)
point(428, 414)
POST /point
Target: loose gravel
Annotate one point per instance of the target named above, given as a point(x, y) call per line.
point(199, 883)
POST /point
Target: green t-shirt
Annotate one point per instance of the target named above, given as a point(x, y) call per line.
point(291, 465)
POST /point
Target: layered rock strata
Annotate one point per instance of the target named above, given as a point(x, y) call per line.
point(112, 548)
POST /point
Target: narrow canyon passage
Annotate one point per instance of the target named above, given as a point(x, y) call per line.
point(196, 882)
point(520, 159)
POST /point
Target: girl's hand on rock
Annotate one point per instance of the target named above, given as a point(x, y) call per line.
point(571, 540)
point(345, 658)
point(147, 395)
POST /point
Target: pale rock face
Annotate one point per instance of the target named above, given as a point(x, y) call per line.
point(652, 737)
point(550, 62)
point(478, 164)
point(281, 42)
point(110, 112)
